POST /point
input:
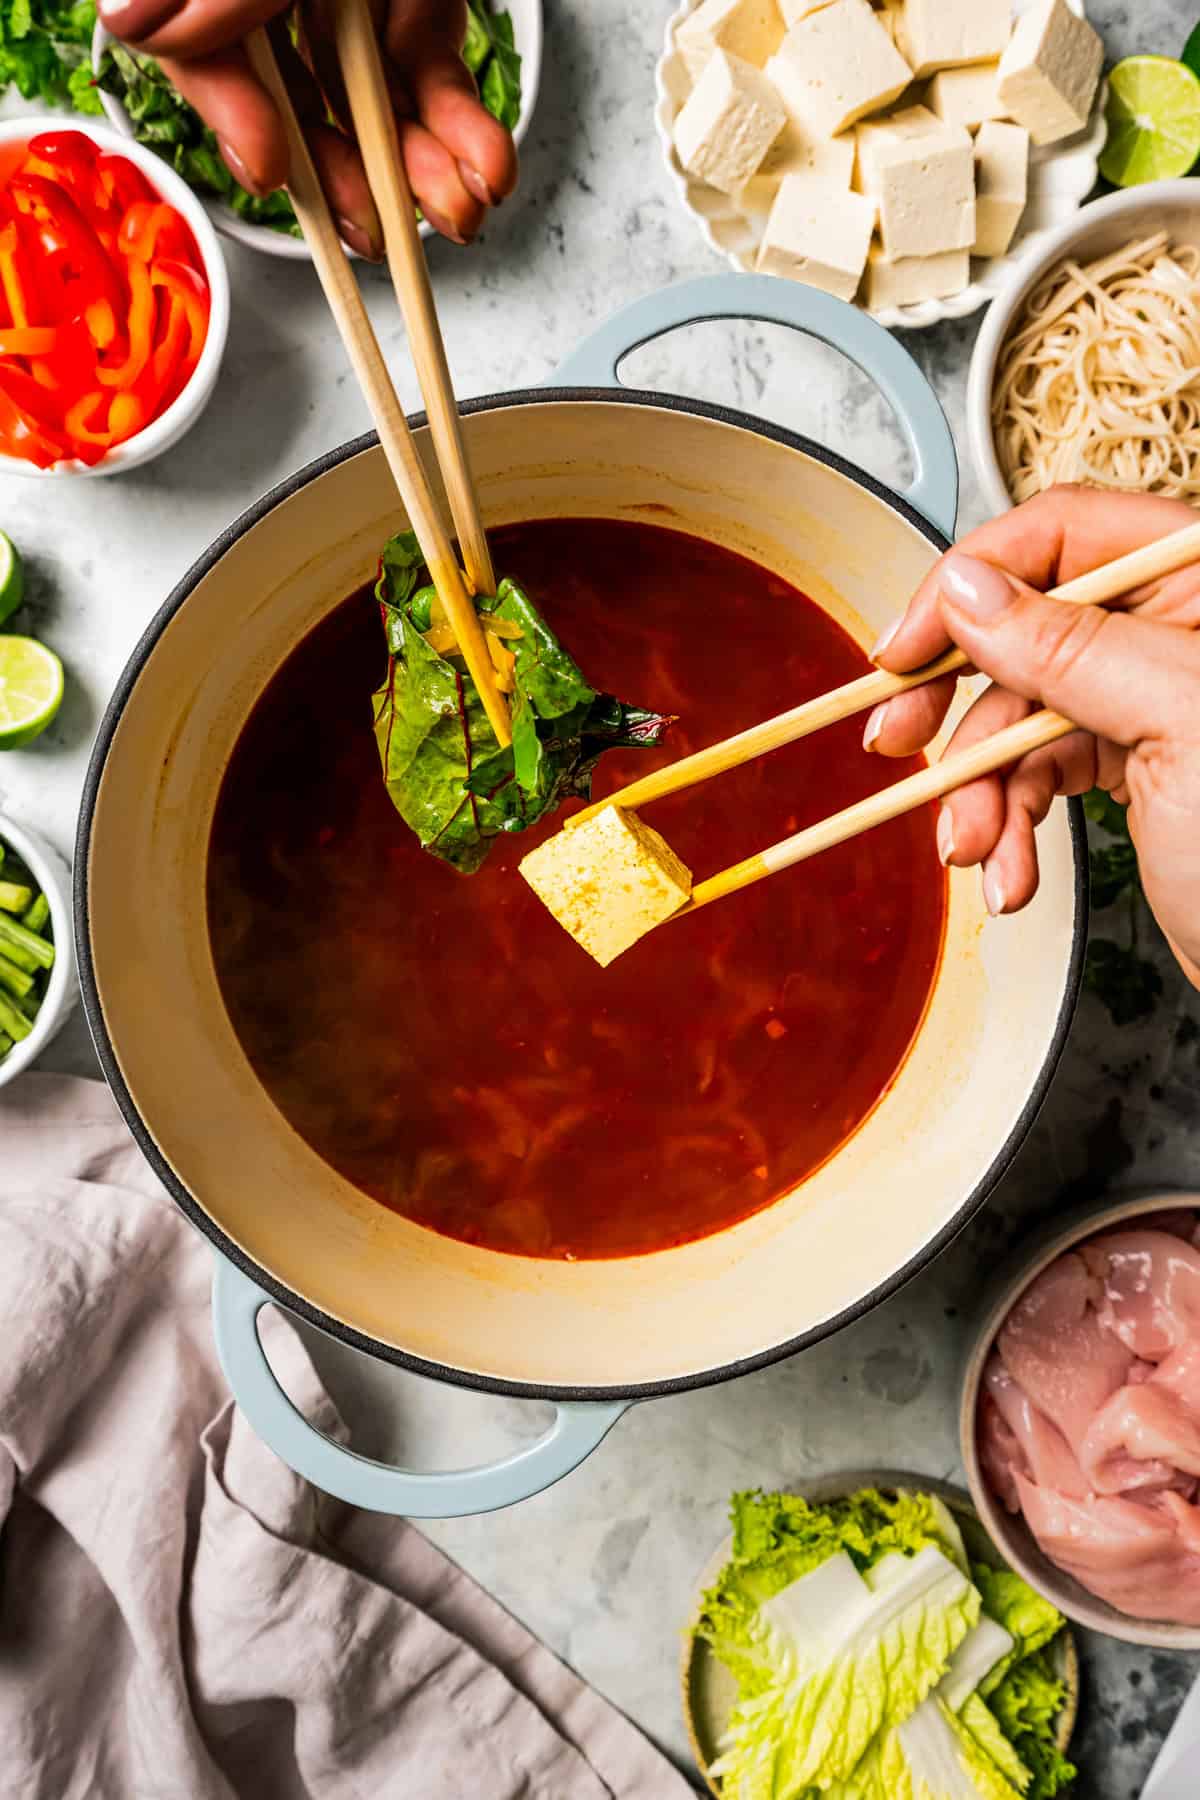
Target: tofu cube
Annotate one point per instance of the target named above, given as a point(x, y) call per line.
point(1001, 185)
point(1050, 72)
point(910, 279)
point(608, 882)
point(751, 29)
point(965, 96)
point(818, 234)
point(836, 65)
point(829, 160)
point(941, 34)
point(921, 173)
point(889, 17)
point(795, 10)
point(728, 123)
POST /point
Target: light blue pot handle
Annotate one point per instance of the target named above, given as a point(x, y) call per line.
point(577, 1429)
point(765, 297)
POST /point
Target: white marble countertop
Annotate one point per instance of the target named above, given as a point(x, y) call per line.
point(602, 1566)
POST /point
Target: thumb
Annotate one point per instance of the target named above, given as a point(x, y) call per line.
point(1121, 677)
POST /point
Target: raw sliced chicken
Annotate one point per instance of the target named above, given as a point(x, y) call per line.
point(1055, 1347)
point(1150, 1289)
point(1000, 1454)
point(1046, 1457)
point(1179, 1221)
point(1145, 1436)
point(1133, 1554)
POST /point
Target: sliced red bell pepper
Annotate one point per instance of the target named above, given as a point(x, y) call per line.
point(28, 340)
point(148, 231)
point(188, 286)
point(40, 403)
point(140, 325)
point(75, 260)
point(17, 277)
point(71, 365)
point(124, 183)
point(22, 435)
point(71, 161)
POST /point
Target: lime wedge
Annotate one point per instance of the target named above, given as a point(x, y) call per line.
point(12, 578)
point(1153, 121)
point(31, 690)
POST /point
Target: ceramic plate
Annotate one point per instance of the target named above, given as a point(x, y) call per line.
point(1061, 176)
point(709, 1690)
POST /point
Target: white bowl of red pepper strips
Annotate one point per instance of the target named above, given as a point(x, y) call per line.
point(114, 301)
point(38, 988)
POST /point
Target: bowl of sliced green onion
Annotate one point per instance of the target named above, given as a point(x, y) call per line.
point(37, 956)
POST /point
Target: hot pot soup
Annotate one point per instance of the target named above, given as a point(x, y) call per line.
point(442, 1043)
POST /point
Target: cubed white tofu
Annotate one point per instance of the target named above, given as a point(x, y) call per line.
point(830, 160)
point(1050, 72)
point(751, 29)
point(939, 34)
point(910, 279)
point(818, 234)
point(889, 18)
point(836, 65)
point(608, 882)
point(922, 175)
point(728, 124)
point(965, 96)
point(795, 10)
point(1001, 185)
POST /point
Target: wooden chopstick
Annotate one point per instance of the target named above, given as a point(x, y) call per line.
point(951, 772)
point(375, 128)
point(362, 347)
point(1150, 563)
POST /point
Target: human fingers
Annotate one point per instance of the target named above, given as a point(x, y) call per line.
point(186, 28)
point(1047, 541)
point(237, 109)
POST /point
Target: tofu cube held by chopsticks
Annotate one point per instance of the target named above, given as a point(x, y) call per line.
point(608, 882)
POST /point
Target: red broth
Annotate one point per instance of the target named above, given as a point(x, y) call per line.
point(440, 1041)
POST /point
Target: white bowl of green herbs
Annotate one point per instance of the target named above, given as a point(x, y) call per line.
point(503, 49)
point(37, 954)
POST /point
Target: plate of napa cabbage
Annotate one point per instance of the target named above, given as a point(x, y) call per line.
point(866, 1641)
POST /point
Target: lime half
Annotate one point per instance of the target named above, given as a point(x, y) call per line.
point(31, 690)
point(12, 578)
point(1153, 121)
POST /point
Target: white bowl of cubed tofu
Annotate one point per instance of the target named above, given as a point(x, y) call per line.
point(903, 155)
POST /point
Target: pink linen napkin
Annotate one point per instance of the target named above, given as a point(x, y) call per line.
point(181, 1617)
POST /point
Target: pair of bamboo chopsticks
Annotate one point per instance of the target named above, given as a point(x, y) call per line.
point(375, 127)
point(1151, 563)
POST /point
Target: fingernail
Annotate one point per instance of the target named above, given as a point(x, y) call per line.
point(994, 897)
point(874, 726)
point(975, 587)
point(444, 226)
point(237, 168)
point(881, 643)
point(474, 183)
point(945, 835)
point(358, 239)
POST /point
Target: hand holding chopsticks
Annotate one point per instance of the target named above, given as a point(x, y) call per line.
point(1149, 563)
point(363, 75)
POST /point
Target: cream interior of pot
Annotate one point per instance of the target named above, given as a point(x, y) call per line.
point(863, 1217)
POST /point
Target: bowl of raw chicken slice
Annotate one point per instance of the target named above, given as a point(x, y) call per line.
point(1081, 1418)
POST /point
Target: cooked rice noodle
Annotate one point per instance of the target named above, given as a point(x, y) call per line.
point(1100, 382)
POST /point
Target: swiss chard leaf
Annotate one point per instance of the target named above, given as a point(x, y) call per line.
point(447, 775)
point(500, 86)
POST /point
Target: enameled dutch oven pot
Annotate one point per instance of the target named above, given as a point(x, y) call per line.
point(592, 1336)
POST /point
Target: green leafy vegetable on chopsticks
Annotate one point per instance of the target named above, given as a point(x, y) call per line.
point(46, 51)
point(873, 1662)
point(1127, 983)
point(445, 770)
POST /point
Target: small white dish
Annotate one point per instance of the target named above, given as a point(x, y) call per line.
point(528, 36)
point(1009, 1531)
point(186, 408)
point(1104, 225)
point(62, 991)
point(1061, 176)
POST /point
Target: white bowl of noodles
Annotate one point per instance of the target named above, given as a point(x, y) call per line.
point(1096, 382)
